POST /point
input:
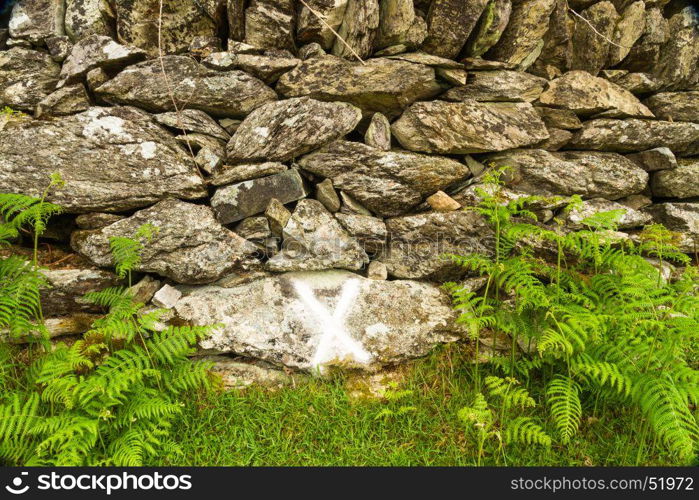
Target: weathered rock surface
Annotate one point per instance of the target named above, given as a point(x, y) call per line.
point(253, 228)
point(369, 231)
point(189, 245)
point(522, 40)
point(65, 101)
point(680, 182)
point(326, 194)
point(380, 85)
point(112, 159)
point(387, 182)
point(630, 219)
point(283, 130)
point(88, 17)
point(498, 85)
point(675, 106)
point(227, 174)
point(192, 120)
point(654, 159)
point(449, 23)
point(399, 25)
point(239, 374)
point(219, 93)
point(645, 52)
point(378, 133)
point(314, 240)
point(559, 118)
point(627, 31)
point(37, 20)
point(679, 56)
point(490, 27)
point(311, 29)
point(67, 287)
point(97, 51)
point(632, 135)
point(300, 320)
point(26, 77)
point(468, 127)
point(359, 29)
point(417, 244)
point(587, 95)
point(269, 24)
point(590, 51)
point(589, 174)
point(682, 218)
point(137, 24)
point(267, 68)
point(237, 201)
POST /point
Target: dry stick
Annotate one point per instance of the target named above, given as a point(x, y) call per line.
point(320, 18)
point(170, 91)
point(597, 32)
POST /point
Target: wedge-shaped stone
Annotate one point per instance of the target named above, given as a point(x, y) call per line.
point(192, 120)
point(675, 106)
point(468, 127)
point(314, 240)
point(237, 201)
point(283, 130)
point(386, 182)
point(631, 135)
point(589, 174)
point(299, 320)
point(587, 95)
point(498, 85)
point(417, 244)
point(381, 85)
point(188, 246)
point(681, 182)
point(219, 93)
point(26, 77)
point(112, 159)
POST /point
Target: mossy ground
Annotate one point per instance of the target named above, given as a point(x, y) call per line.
point(317, 424)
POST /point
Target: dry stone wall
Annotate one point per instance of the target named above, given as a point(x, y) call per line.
point(305, 185)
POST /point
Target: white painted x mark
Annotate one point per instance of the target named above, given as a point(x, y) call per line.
point(335, 342)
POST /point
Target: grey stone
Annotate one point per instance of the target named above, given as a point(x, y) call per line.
point(26, 77)
point(427, 60)
point(630, 219)
point(399, 24)
point(37, 20)
point(283, 130)
point(386, 182)
point(589, 51)
point(314, 240)
point(277, 215)
point(381, 85)
point(679, 56)
point(59, 47)
point(310, 29)
point(589, 174)
point(351, 206)
point(219, 93)
point(189, 245)
point(228, 174)
point(558, 139)
point(269, 24)
point(682, 218)
point(271, 319)
point(237, 201)
point(369, 231)
point(378, 133)
point(417, 244)
point(88, 17)
point(498, 85)
point(96, 220)
point(166, 297)
point(681, 182)
point(266, 68)
point(359, 29)
point(627, 31)
point(238, 375)
point(654, 159)
point(192, 120)
point(490, 27)
point(65, 101)
point(311, 50)
point(253, 228)
point(468, 127)
point(112, 159)
point(67, 287)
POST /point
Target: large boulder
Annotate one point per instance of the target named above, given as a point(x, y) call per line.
point(417, 244)
point(630, 135)
point(468, 127)
point(359, 30)
point(237, 201)
point(682, 218)
point(314, 240)
point(318, 320)
point(26, 77)
point(188, 245)
point(111, 159)
point(586, 95)
point(191, 85)
point(381, 85)
point(675, 106)
point(449, 23)
point(283, 130)
point(269, 24)
point(386, 182)
point(681, 182)
point(522, 40)
point(498, 85)
point(37, 20)
point(589, 174)
point(138, 21)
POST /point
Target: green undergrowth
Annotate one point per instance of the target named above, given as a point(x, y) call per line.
point(318, 424)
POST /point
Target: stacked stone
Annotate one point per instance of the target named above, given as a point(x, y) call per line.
point(339, 139)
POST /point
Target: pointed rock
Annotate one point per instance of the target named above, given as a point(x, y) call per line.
point(88, 17)
point(378, 133)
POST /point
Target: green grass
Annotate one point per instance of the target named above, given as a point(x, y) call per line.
point(317, 424)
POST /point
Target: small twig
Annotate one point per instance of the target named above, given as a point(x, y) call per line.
point(320, 18)
point(595, 30)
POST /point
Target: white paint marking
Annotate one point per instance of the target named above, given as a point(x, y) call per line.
point(335, 342)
